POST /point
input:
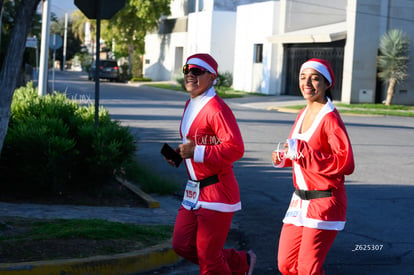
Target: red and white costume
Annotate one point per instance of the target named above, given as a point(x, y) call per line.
point(322, 156)
point(200, 231)
point(210, 123)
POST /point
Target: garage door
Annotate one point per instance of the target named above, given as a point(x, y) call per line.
point(296, 54)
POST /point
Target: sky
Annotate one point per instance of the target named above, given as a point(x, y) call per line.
point(60, 7)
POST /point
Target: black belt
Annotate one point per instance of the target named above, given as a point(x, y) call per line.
point(313, 194)
point(208, 181)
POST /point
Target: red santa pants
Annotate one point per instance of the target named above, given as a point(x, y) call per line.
point(303, 250)
point(199, 236)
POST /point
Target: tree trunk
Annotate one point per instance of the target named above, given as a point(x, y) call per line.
point(390, 91)
point(11, 67)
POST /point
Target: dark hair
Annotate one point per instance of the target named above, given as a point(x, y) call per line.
point(328, 93)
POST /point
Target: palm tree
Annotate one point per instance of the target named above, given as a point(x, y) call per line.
point(393, 60)
point(78, 25)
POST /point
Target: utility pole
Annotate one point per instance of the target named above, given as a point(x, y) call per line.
point(65, 42)
point(44, 48)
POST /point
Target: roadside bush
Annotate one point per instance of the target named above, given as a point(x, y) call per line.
point(125, 75)
point(52, 145)
point(141, 79)
point(38, 155)
point(180, 81)
point(224, 79)
point(103, 151)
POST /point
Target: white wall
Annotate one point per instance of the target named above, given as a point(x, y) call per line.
point(213, 33)
point(159, 58)
point(254, 23)
point(199, 32)
point(178, 8)
point(313, 13)
point(361, 51)
point(223, 39)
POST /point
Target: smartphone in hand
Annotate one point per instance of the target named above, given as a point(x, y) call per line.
point(170, 154)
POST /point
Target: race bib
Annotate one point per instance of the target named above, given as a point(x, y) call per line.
point(296, 214)
point(191, 194)
point(295, 207)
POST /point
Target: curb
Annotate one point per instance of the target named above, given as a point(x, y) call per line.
point(148, 200)
point(282, 109)
point(125, 263)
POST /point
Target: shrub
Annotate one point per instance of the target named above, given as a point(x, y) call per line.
point(141, 79)
point(52, 144)
point(180, 81)
point(104, 150)
point(124, 75)
point(38, 155)
point(224, 79)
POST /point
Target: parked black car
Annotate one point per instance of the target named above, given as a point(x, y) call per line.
point(108, 69)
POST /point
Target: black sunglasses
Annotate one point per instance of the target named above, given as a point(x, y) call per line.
point(194, 70)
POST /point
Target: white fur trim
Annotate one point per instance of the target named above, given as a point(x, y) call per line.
point(319, 67)
point(202, 63)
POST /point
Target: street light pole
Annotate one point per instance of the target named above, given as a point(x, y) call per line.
point(65, 42)
point(44, 49)
point(97, 61)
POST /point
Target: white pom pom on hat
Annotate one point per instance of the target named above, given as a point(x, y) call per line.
point(322, 66)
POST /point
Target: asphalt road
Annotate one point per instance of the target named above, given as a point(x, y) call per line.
point(378, 237)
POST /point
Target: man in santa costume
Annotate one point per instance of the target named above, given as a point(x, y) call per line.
point(320, 152)
point(211, 142)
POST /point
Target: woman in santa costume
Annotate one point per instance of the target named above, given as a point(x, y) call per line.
point(211, 142)
point(320, 153)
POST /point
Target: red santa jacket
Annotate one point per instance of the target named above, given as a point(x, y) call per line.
point(215, 132)
point(323, 157)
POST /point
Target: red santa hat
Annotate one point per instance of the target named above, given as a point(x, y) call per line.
point(322, 66)
point(204, 60)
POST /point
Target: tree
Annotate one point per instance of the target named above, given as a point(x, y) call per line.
point(128, 27)
point(78, 25)
point(10, 69)
point(393, 60)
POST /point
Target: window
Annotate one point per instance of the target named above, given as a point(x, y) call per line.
point(258, 53)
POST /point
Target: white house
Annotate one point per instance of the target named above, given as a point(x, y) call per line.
point(194, 26)
point(263, 43)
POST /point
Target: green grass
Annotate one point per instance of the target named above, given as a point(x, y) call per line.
point(166, 86)
point(227, 92)
point(93, 229)
point(368, 109)
point(375, 106)
point(223, 92)
point(27, 239)
point(149, 181)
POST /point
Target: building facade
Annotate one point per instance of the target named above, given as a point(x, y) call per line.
point(263, 43)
